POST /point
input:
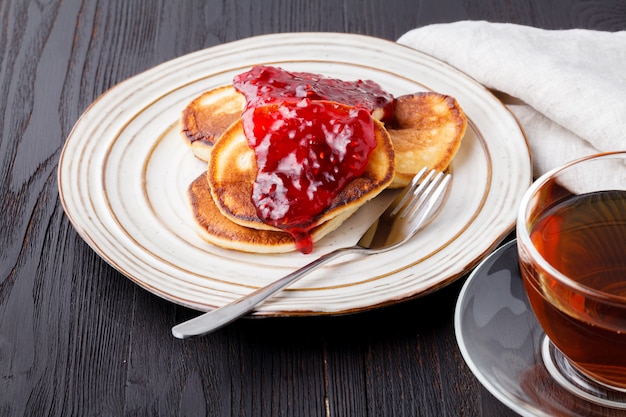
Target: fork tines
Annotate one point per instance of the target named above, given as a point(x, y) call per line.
point(424, 191)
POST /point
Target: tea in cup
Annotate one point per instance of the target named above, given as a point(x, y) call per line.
point(571, 238)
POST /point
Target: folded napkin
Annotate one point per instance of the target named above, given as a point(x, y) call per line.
point(566, 87)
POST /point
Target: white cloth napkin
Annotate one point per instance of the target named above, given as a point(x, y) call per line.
point(567, 87)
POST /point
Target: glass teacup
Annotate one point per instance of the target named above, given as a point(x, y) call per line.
point(571, 238)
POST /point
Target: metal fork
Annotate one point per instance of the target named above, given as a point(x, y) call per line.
point(399, 222)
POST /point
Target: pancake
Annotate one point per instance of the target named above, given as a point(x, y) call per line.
point(204, 120)
point(427, 131)
point(232, 171)
point(218, 230)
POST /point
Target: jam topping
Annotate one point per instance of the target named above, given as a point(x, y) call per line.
point(305, 152)
point(307, 144)
point(267, 84)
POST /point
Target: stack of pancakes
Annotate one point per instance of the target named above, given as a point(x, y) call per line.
point(426, 131)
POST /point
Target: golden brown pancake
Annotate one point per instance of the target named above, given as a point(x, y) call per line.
point(204, 120)
point(426, 132)
point(218, 230)
point(232, 171)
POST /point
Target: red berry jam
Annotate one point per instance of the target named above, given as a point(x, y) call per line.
point(308, 146)
point(305, 152)
point(266, 84)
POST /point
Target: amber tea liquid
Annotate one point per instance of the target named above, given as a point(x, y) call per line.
point(583, 237)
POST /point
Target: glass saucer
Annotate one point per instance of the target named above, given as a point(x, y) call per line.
point(501, 341)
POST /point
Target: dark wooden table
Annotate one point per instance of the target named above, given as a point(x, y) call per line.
point(79, 339)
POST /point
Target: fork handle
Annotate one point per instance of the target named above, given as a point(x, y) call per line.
point(213, 320)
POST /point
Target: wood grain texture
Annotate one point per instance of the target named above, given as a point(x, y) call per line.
point(79, 339)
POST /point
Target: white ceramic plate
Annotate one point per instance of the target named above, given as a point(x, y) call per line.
point(124, 171)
